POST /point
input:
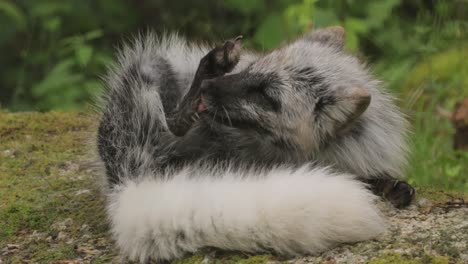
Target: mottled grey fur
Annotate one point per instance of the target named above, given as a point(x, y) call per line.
point(308, 102)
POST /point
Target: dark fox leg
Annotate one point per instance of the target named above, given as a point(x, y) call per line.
point(219, 61)
point(399, 193)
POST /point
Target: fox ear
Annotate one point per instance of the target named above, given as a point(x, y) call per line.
point(354, 102)
point(359, 98)
point(331, 36)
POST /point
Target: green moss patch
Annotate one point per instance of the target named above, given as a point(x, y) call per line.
point(50, 205)
point(51, 209)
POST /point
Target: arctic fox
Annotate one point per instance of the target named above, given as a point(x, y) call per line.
point(218, 147)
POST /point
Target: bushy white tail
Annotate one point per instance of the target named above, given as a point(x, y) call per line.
point(287, 211)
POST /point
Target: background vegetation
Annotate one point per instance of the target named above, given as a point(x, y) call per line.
point(53, 52)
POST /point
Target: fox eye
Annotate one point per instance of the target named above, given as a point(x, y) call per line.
point(258, 94)
point(257, 88)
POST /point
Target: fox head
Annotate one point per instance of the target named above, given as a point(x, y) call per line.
point(297, 96)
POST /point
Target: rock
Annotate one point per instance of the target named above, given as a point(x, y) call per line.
point(13, 246)
point(84, 228)
point(80, 192)
point(87, 250)
point(464, 257)
point(37, 236)
point(9, 249)
point(68, 222)
point(61, 236)
point(68, 167)
point(206, 260)
point(424, 203)
point(62, 225)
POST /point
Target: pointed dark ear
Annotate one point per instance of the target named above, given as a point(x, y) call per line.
point(355, 101)
point(360, 99)
point(331, 36)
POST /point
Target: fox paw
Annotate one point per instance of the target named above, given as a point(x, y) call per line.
point(219, 61)
point(222, 59)
point(400, 194)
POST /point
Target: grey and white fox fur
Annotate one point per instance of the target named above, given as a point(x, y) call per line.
point(276, 159)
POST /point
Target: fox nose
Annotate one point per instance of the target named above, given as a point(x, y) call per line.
point(201, 107)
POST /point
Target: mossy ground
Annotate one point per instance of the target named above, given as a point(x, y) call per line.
point(45, 180)
point(400, 259)
point(51, 209)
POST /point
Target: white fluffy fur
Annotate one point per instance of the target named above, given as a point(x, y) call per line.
point(287, 211)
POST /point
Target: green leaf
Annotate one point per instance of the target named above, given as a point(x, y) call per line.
point(452, 171)
point(52, 24)
point(47, 8)
point(57, 79)
point(83, 54)
point(324, 17)
point(93, 35)
point(352, 41)
point(246, 6)
point(270, 33)
point(92, 86)
point(299, 16)
point(356, 25)
point(13, 12)
point(103, 59)
point(379, 11)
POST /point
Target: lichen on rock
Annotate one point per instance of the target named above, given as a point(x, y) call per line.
point(51, 210)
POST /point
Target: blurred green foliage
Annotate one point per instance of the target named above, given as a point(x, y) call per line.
point(53, 52)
